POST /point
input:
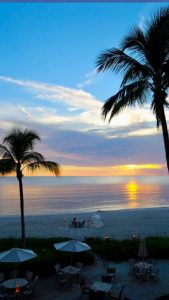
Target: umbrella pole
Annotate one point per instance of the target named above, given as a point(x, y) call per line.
point(71, 261)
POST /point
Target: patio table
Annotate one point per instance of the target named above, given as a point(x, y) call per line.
point(70, 270)
point(101, 286)
point(143, 266)
point(15, 282)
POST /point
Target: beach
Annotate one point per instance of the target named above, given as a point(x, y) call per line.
point(119, 224)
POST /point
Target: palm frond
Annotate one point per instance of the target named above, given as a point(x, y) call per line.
point(118, 61)
point(7, 166)
point(4, 153)
point(157, 36)
point(47, 166)
point(129, 95)
point(136, 42)
point(32, 156)
point(19, 141)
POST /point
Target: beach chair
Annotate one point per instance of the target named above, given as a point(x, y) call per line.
point(119, 296)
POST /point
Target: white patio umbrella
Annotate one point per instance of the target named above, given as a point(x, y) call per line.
point(72, 246)
point(16, 255)
point(142, 252)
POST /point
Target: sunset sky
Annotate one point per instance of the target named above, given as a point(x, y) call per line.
point(48, 82)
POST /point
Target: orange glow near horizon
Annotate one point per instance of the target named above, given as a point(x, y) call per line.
point(118, 170)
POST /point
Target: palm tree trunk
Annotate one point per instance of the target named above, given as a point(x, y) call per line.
point(22, 211)
point(165, 135)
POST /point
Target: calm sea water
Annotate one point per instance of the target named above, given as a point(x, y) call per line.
point(53, 195)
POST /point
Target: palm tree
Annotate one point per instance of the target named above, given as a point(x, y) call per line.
point(17, 153)
point(143, 59)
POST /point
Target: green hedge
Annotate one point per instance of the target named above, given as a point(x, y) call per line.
point(110, 249)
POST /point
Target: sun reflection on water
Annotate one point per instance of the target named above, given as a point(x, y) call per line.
point(132, 189)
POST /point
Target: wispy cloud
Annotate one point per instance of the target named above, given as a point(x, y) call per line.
point(89, 79)
point(142, 22)
point(82, 111)
point(75, 98)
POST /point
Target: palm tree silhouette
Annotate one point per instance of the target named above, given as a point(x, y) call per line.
point(17, 153)
point(143, 59)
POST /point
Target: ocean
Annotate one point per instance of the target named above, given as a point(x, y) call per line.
point(56, 195)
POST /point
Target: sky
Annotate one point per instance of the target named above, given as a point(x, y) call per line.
point(49, 83)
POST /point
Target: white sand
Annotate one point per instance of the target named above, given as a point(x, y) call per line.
point(119, 224)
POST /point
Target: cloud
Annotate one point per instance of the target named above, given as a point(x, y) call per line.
point(75, 98)
point(89, 79)
point(142, 22)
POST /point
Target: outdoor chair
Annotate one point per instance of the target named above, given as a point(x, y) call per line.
point(3, 293)
point(63, 280)
point(2, 277)
point(119, 296)
point(132, 261)
point(79, 265)
point(85, 290)
point(76, 277)
point(13, 274)
point(97, 295)
point(154, 274)
point(58, 270)
point(57, 267)
point(29, 292)
point(112, 272)
point(29, 276)
point(106, 278)
point(136, 272)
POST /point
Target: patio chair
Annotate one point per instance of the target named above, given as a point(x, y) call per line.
point(106, 278)
point(112, 272)
point(136, 272)
point(119, 296)
point(3, 293)
point(2, 277)
point(85, 290)
point(132, 261)
point(79, 265)
point(29, 292)
point(13, 274)
point(154, 274)
point(76, 277)
point(29, 276)
point(97, 295)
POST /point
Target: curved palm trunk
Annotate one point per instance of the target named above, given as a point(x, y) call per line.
point(165, 135)
point(22, 211)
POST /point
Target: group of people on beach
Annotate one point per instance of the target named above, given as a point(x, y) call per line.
point(78, 222)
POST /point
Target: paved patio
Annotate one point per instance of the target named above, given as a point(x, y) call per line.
point(47, 288)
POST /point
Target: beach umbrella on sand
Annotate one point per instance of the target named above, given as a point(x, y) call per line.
point(142, 252)
point(17, 255)
point(72, 247)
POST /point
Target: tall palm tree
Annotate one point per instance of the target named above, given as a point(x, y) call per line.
point(143, 59)
point(17, 153)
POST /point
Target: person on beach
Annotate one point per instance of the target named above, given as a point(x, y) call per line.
point(74, 222)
